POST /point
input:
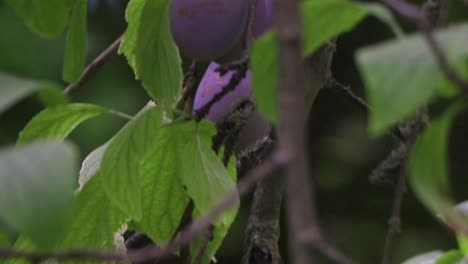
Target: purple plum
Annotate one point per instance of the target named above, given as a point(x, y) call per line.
point(263, 17)
point(211, 84)
point(207, 30)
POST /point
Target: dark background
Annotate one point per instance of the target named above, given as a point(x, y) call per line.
point(353, 212)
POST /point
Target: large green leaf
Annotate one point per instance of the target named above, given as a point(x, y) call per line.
point(36, 189)
point(184, 157)
point(322, 20)
point(428, 164)
point(164, 176)
point(151, 51)
point(95, 223)
point(57, 122)
point(48, 18)
point(203, 174)
point(219, 233)
point(75, 50)
point(96, 220)
point(402, 75)
point(121, 161)
point(164, 197)
point(13, 89)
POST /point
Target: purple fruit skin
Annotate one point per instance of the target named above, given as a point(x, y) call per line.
point(211, 84)
point(206, 30)
point(263, 17)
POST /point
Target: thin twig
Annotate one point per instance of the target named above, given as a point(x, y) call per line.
point(249, 37)
point(186, 220)
point(263, 230)
point(201, 251)
point(337, 86)
point(394, 223)
point(155, 252)
point(137, 240)
point(94, 66)
point(427, 18)
point(414, 127)
point(184, 103)
point(120, 114)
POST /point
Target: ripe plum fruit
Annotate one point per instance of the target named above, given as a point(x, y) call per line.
point(211, 84)
point(263, 17)
point(206, 30)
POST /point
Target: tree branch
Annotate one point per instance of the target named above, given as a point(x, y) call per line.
point(337, 86)
point(414, 128)
point(430, 16)
point(204, 245)
point(94, 66)
point(262, 232)
point(304, 228)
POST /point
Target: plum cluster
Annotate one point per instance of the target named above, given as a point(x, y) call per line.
point(214, 31)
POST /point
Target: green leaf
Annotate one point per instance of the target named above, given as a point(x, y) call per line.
point(22, 243)
point(402, 75)
point(164, 176)
point(91, 165)
point(385, 15)
point(75, 50)
point(203, 174)
point(96, 220)
point(164, 197)
point(13, 89)
point(95, 223)
point(5, 239)
point(463, 244)
point(151, 51)
point(449, 89)
point(428, 164)
point(59, 121)
point(190, 162)
point(220, 231)
point(48, 18)
point(264, 71)
point(53, 95)
point(219, 234)
point(450, 257)
point(323, 19)
point(36, 189)
point(121, 161)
